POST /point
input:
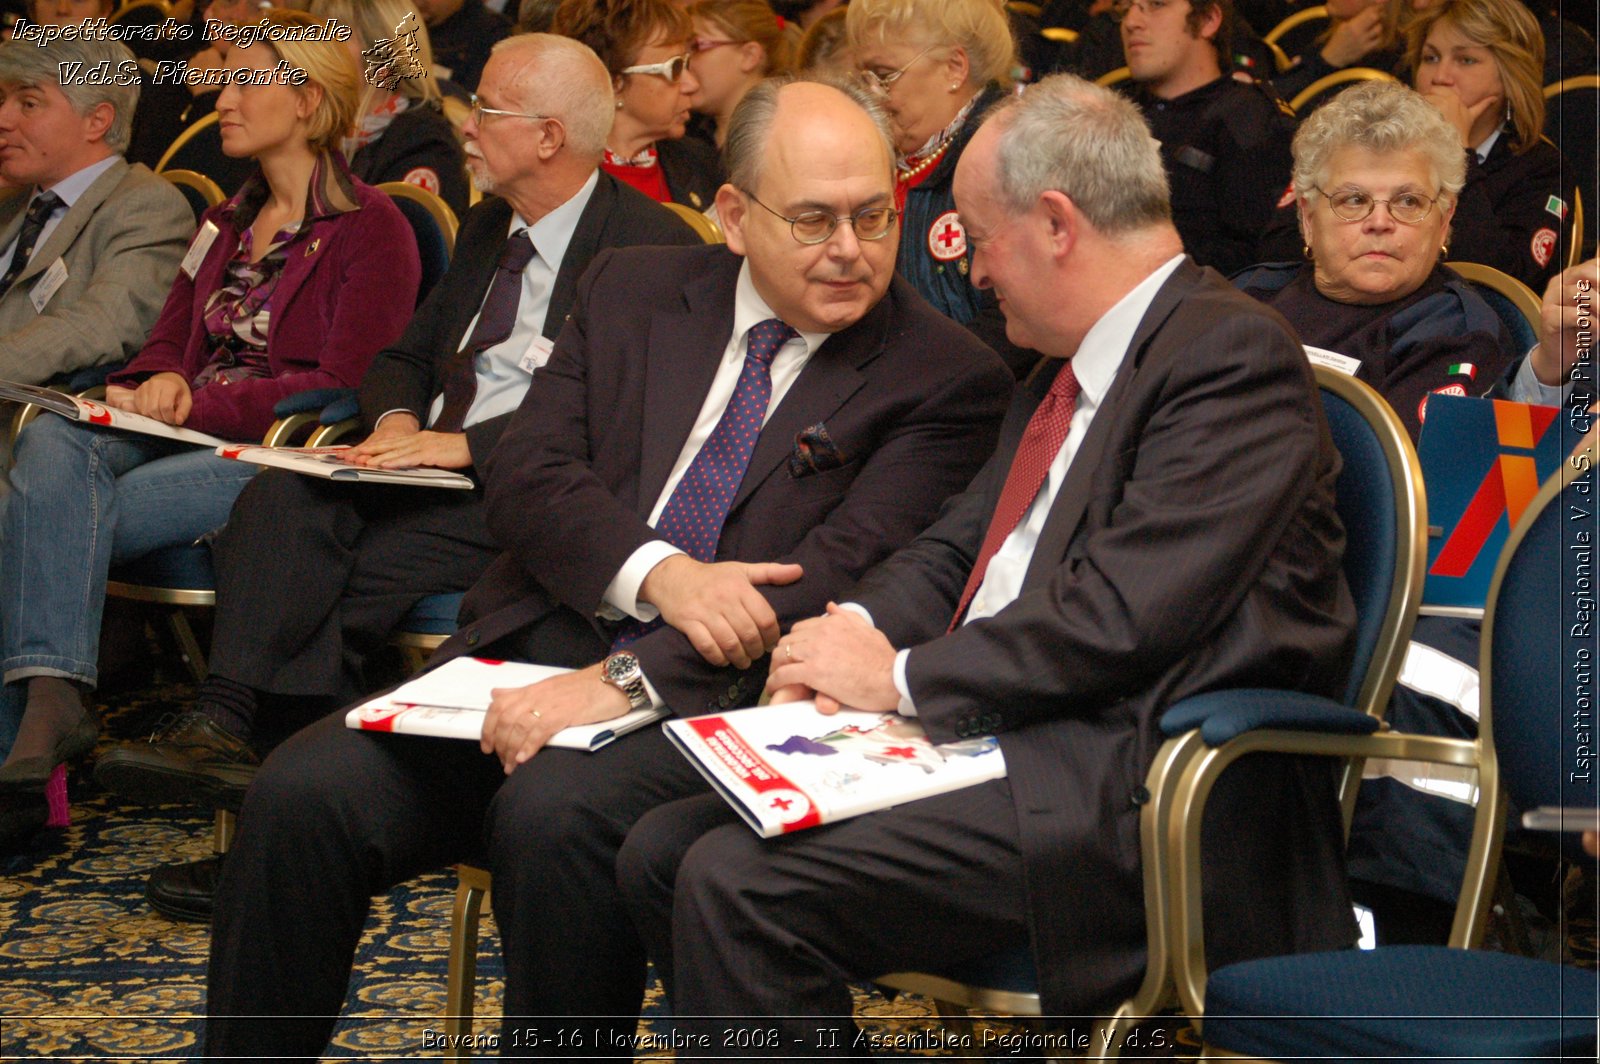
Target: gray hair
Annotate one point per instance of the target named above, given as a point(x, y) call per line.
point(745, 149)
point(25, 63)
point(1382, 117)
point(565, 79)
point(1069, 135)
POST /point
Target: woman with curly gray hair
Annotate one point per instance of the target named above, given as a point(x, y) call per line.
point(1376, 174)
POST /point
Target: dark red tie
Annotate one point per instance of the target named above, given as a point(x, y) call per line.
point(495, 322)
point(1041, 442)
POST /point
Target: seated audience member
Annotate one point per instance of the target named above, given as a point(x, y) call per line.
point(1479, 63)
point(806, 13)
point(303, 622)
point(462, 32)
point(1158, 521)
point(1225, 143)
point(632, 487)
point(294, 283)
point(825, 48)
point(89, 245)
point(736, 43)
point(1408, 843)
point(535, 16)
point(938, 65)
point(646, 46)
point(1376, 176)
point(1364, 33)
point(401, 133)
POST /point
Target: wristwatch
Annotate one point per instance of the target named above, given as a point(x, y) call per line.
point(621, 670)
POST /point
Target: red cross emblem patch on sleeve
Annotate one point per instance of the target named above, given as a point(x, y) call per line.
point(947, 241)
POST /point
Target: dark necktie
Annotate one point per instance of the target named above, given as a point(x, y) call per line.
point(1041, 442)
point(695, 512)
point(39, 212)
point(495, 322)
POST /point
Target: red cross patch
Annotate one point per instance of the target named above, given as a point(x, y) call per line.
point(947, 241)
point(1544, 245)
point(423, 177)
point(1448, 389)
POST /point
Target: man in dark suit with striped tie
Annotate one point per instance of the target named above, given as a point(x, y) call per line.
point(1156, 522)
point(722, 440)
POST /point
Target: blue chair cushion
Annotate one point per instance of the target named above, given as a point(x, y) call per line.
point(1224, 715)
point(434, 615)
point(1011, 970)
point(311, 399)
point(187, 568)
point(341, 409)
point(1439, 1004)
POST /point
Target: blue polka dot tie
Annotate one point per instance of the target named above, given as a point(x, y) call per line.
point(693, 517)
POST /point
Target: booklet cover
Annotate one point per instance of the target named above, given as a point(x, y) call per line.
point(449, 702)
point(788, 767)
point(70, 406)
point(329, 462)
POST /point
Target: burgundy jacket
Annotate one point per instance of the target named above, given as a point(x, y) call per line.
point(346, 292)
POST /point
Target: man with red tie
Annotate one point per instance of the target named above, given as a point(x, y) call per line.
point(723, 439)
point(1156, 522)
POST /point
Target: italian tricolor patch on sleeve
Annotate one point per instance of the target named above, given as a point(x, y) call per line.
point(1462, 369)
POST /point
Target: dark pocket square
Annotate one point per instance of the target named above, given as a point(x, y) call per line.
point(814, 452)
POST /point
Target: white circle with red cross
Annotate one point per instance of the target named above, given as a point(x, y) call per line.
point(947, 241)
point(790, 806)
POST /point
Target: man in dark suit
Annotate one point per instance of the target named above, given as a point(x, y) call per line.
point(724, 438)
point(303, 621)
point(1157, 521)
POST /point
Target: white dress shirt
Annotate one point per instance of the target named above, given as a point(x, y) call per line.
point(503, 376)
point(1098, 358)
point(69, 189)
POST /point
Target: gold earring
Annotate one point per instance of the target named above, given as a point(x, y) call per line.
point(1305, 249)
point(619, 105)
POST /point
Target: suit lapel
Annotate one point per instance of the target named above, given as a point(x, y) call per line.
point(477, 258)
point(1067, 513)
point(831, 376)
point(681, 360)
point(11, 209)
point(72, 222)
point(581, 250)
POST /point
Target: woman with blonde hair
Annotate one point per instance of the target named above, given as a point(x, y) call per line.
point(1479, 62)
point(937, 66)
point(736, 43)
point(1364, 33)
point(294, 283)
point(401, 133)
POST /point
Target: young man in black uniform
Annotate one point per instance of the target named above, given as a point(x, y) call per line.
point(1225, 143)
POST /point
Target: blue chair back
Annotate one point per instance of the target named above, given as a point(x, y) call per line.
point(1516, 323)
point(431, 246)
point(1540, 648)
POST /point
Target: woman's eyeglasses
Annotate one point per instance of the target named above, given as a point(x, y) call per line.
point(1355, 205)
point(671, 69)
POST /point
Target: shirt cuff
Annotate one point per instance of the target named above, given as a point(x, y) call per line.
point(859, 610)
point(622, 593)
point(1527, 388)
point(907, 708)
point(396, 410)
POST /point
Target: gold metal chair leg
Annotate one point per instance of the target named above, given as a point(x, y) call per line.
point(222, 831)
point(472, 888)
point(188, 645)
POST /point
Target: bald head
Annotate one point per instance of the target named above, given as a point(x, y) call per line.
point(812, 119)
point(561, 77)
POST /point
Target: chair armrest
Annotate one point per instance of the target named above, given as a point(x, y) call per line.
point(1225, 715)
point(344, 408)
point(311, 400)
point(82, 380)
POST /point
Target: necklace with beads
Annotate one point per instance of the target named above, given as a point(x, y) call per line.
point(910, 173)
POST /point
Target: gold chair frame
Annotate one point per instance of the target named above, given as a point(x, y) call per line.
point(209, 190)
point(1022, 8)
point(1299, 18)
point(181, 141)
point(1114, 77)
point(1575, 241)
point(1521, 296)
point(1059, 34)
point(436, 207)
point(706, 229)
point(1338, 77)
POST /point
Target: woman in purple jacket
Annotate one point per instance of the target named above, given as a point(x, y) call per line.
point(294, 283)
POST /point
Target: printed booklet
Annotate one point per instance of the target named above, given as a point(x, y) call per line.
point(96, 413)
point(327, 462)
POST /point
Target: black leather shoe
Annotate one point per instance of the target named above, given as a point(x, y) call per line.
point(185, 891)
point(188, 760)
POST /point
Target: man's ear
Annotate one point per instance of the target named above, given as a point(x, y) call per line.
point(552, 137)
point(1211, 24)
point(1061, 218)
point(732, 212)
point(98, 121)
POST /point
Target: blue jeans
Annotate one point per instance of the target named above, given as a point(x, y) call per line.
point(82, 500)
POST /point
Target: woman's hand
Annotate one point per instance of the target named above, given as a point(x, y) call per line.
point(1448, 103)
point(1354, 38)
point(165, 397)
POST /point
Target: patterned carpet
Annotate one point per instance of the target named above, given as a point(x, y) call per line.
point(87, 970)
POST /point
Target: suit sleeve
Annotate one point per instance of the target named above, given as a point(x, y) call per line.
point(140, 238)
point(929, 455)
point(1191, 522)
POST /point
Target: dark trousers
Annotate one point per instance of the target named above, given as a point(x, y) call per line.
point(336, 816)
point(758, 937)
point(312, 576)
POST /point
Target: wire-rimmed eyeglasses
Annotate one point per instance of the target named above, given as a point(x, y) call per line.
point(1356, 204)
point(814, 227)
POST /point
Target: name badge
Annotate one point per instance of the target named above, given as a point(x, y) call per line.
point(538, 354)
point(48, 285)
point(198, 247)
point(1333, 360)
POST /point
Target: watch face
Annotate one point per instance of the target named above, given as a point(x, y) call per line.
point(619, 666)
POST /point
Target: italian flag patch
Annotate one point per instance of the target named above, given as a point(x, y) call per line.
point(1557, 206)
point(1462, 369)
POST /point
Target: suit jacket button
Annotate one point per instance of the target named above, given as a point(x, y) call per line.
point(1139, 795)
point(733, 691)
point(473, 637)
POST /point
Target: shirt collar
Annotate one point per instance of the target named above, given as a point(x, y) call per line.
point(1105, 345)
point(750, 310)
point(1482, 151)
point(75, 185)
point(330, 191)
point(552, 233)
